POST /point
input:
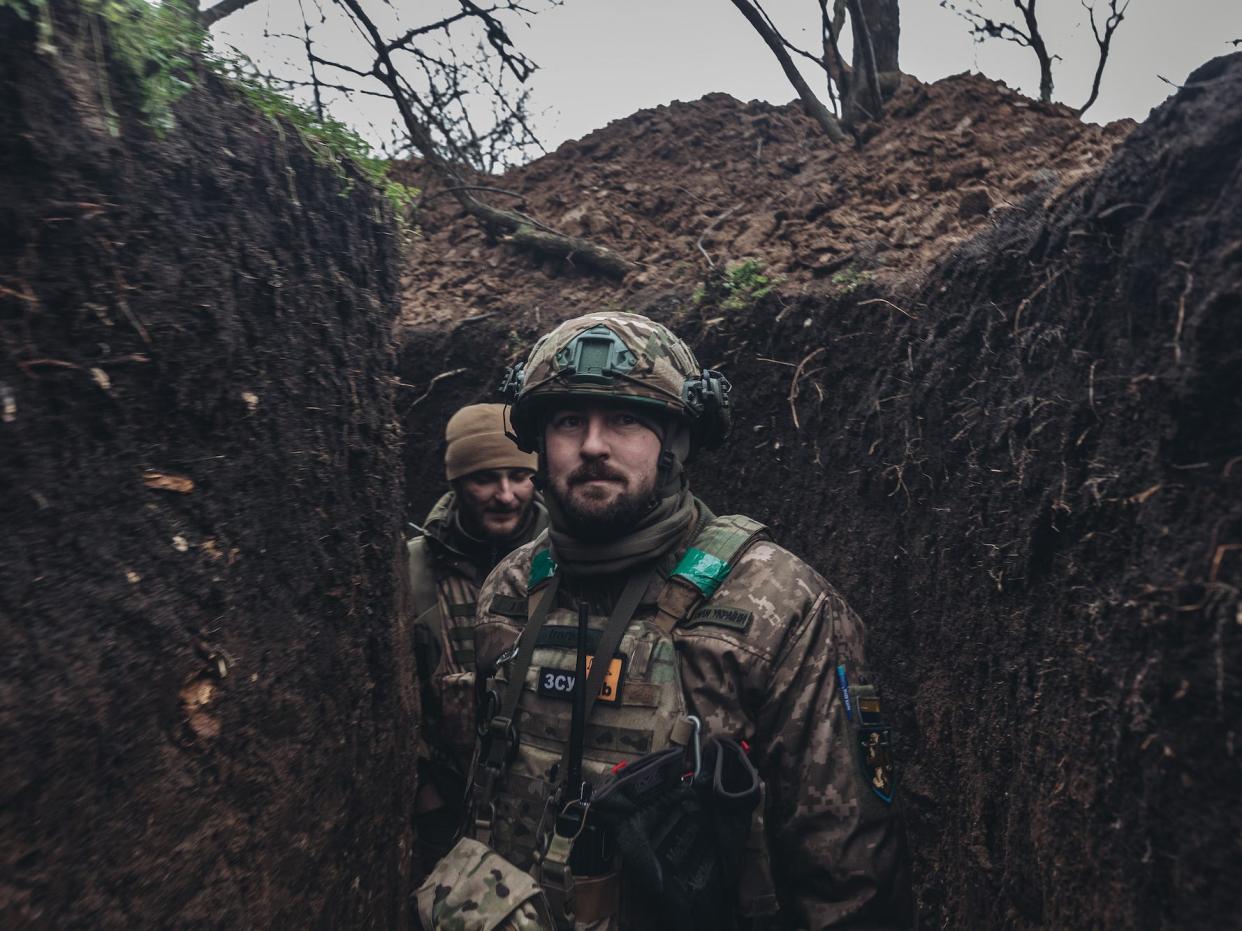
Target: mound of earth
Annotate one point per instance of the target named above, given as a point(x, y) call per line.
point(716, 181)
point(206, 713)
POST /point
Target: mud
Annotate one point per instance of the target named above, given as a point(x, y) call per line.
point(206, 713)
point(1022, 464)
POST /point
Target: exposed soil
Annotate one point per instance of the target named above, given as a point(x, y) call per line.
point(997, 399)
point(206, 711)
point(1021, 462)
point(756, 181)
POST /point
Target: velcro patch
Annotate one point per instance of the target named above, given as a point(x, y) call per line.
point(508, 606)
point(566, 638)
point(560, 683)
point(465, 609)
point(721, 616)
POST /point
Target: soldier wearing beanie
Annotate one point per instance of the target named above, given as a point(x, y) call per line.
point(491, 509)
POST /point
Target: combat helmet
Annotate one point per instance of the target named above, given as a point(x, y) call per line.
point(622, 357)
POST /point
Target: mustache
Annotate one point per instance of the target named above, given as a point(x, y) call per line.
point(594, 471)
point(502, 509)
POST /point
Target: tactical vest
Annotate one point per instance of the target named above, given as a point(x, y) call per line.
point(639, 709)
point(428, 626)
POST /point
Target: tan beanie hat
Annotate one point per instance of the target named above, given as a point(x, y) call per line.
point(477, 441)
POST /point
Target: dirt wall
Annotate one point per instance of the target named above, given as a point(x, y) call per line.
point(1025, 473)
point(205, 706)
point(1026, 476)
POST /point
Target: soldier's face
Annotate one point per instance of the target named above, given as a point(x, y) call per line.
point(494, 502)
point(602, 465)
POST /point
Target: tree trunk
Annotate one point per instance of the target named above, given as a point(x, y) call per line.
point(884, 24)
point(864, 101)
point(813, 105)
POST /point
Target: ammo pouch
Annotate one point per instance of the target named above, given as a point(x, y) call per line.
point(680, 836)
point(475, 889)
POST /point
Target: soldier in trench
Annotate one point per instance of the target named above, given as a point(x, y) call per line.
point(491, 508)
point(680, 728)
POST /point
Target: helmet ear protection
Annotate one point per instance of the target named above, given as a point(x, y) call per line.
point(707, 398)
point(510, 390)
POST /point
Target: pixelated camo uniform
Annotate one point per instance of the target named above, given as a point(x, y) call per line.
point(775, 658)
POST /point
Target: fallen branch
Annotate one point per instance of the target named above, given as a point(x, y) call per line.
point(707, 229)
point(430, 385)
point(508, 225)
point(793, 386)
point(880, 300)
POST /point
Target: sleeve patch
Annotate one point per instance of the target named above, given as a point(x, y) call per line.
point(721, 616)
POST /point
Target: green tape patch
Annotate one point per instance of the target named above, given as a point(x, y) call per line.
point(542, 568)
point(702, 570)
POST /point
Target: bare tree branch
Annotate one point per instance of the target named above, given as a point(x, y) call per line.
point(512, 227)
point(838, 70)
point(814, 108)
point(789, 45)
point(984, 27)
point(310, 60)
point(213, 15)
point(1115, 16)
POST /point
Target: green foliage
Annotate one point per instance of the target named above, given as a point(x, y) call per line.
point(162, 50)
point(158, 46)
point(330, 141)
point(744, 284)
point(849, 279)
point(736, 287)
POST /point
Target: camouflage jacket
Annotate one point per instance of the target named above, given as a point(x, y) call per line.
point(776, 658)
point(444, 634)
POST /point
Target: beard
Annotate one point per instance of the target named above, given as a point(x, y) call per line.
point(595, 522)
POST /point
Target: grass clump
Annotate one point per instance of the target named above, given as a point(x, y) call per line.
point(736, 287)
point(850, 279)
point(329, 140)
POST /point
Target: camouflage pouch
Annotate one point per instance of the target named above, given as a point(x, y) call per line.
point(475, 889)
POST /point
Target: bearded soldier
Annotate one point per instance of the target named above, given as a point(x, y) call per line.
point(680, 729)
point(491, 508)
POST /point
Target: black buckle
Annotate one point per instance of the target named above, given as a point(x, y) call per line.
point(515, 377)
point(498, 756)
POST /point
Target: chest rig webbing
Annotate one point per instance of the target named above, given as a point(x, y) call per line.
point(634, 705)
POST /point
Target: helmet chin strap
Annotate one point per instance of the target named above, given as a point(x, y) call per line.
point(674, 450)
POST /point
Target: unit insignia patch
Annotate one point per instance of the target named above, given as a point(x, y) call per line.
point(721, 616)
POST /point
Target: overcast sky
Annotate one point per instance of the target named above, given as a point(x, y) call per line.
point(600, 60)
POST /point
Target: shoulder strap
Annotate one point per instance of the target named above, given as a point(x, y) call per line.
point(706, 564)
point(422, 577)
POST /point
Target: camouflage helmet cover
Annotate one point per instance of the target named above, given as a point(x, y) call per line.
point(618, 356)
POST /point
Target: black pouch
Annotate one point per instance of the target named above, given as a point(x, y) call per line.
point(680, 835)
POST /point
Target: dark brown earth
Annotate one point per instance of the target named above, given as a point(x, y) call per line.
point(756, 181)
point(1010, 432)
point(1022, 462)
point(205, 709)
